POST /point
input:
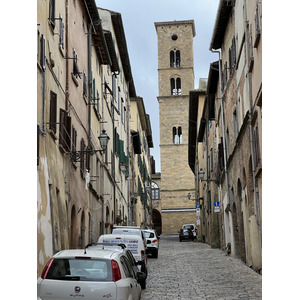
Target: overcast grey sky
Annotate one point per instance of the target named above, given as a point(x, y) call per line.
point(138, 18)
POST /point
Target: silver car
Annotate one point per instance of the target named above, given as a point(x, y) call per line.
point(89, 274)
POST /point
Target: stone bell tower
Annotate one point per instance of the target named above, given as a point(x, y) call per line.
point(175, 79)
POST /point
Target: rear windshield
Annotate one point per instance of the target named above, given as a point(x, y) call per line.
point(80, 270)
point(148, 234)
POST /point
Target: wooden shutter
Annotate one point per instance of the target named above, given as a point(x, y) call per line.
point(52, 13)
point(61, 33)
point(61, 126)
point(53, 106)
point(68, 133)
point(82, 148)
point(43, 52)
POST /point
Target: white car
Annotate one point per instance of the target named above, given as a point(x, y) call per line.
point(192, 227)
point(89, 274)
point(152, 242)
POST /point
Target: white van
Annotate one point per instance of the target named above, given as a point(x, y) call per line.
point(132, 230)
point(133, 242)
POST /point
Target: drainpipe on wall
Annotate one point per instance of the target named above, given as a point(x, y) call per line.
point(257, 209)
point(90, 81)
point(67, 55)
point(223, 133)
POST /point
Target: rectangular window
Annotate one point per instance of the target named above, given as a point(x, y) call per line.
point(84, 85)
point(235, 125)
point(256, 145)
point(64, 130)
point(98, 102)
point(227, 143)
point(82, 148)
point(53, 107)
point(119, 98)
point(76, 72)
point(74, 139)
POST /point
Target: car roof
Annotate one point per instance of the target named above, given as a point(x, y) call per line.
point(93, 253)
point(150, 230)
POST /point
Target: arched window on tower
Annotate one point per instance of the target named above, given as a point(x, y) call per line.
point(175, 86)
point(177, 59)
point(174, 59)
point(178, 86)
point(179, 135)
point(174, 135)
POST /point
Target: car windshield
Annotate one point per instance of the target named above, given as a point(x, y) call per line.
point(80, 270)
point(148, 234)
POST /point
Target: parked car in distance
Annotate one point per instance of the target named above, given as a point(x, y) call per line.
point(152, 242)
point(134, 243)
point(89, 274)
point(192, 227)
point(186, 234)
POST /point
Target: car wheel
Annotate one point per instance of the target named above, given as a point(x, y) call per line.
point(143, 284)
point(155, 254)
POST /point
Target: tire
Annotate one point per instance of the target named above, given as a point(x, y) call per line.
point(143, 284)
point(155, 253)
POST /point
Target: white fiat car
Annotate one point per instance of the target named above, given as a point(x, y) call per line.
point(89, 274)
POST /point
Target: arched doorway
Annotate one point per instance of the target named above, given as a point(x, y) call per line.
point(156, 219)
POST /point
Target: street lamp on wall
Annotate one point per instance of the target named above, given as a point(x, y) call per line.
point(201, 174)
point(103, 139)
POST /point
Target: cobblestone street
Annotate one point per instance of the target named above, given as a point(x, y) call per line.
point(194, 271)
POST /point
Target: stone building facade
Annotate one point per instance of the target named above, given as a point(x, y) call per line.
point(230, 134)
point(176, 79)
point(84, 86)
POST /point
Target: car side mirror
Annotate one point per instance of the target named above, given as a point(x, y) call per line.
point(141, 276)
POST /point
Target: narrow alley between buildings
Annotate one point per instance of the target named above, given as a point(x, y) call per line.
point(192, 270)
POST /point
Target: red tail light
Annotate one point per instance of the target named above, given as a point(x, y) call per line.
point(46, 269)
point(115, 271)
point(143, 256)
point(155, 241)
